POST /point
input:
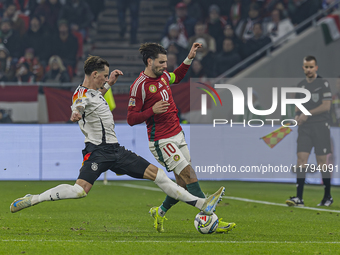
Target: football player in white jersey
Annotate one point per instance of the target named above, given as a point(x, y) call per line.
point(102, 151)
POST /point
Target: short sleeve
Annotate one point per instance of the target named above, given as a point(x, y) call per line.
point(137, 96)
point(326, 91)
point(79, 98)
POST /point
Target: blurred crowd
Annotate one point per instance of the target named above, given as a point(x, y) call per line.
point(42, 40)
point(231, 31)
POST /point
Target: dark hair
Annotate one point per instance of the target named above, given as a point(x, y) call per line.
point(94, 63)
point(151, 50)
point(310, 58)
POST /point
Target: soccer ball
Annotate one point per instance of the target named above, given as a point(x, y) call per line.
point(206, 224)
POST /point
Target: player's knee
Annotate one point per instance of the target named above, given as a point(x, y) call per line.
point(161, 177)
point(321, 160)
point(150, 172)
point(302, 160)
point(82, 187)
point(181, 165)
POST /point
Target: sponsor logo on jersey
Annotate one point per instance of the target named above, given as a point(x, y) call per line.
point(93, 95)
point(153, 88)
point(177, 157)
point(78, 101)
point(315, 97)
point(94, 166)
point(132, 102)
point(160, 85)
point(164, 81)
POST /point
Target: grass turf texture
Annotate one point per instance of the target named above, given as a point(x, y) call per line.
point(114, 219)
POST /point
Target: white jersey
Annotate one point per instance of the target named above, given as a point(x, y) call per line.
point(97, 122)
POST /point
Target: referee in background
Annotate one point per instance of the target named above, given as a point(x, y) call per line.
point(313, 131)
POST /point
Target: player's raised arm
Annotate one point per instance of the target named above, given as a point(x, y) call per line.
point(193, 50)
point(181, 71)
point(112, 80)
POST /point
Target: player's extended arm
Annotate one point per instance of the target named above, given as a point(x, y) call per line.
point(181, 71)
point(324, 107)
point(135, 116)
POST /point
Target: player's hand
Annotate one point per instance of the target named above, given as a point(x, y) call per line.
point(301, 119)
point(114, 76)
point(75, 116)
point(193, 50)
point(160, 107)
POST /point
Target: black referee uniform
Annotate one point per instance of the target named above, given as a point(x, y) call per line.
point(315, 132)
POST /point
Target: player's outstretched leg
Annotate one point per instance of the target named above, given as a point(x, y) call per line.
point(63, 191)
point(206, 205)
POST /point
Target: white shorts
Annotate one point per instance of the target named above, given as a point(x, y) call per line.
point(172, 153)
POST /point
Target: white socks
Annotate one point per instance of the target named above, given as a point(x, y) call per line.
point(173, 190)
point(63, 191)
point(66, 191)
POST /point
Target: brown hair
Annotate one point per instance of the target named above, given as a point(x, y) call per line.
point(151, 50)
point(94, 63)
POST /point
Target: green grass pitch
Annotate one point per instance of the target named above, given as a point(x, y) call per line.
point(114, 219)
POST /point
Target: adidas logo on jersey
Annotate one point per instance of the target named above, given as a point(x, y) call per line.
point(160, 85)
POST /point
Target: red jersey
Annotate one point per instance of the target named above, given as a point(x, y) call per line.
point(147, 91)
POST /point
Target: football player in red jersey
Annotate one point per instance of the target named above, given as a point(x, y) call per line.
point(151, 101)
point(102, 151)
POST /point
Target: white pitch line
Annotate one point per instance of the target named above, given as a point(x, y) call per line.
point(137, 186)
point(233, 198)
point(187, 241)
point(270, 203)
